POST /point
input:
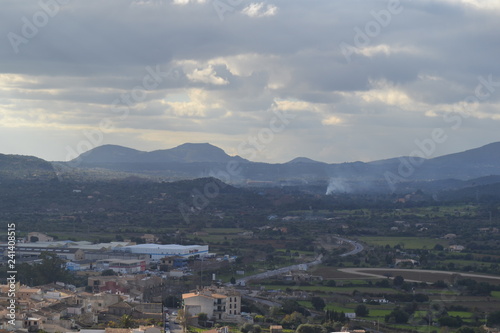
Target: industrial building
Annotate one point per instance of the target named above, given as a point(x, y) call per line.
point(158, 251)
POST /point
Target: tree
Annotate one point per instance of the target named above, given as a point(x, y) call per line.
point(331, 283)
point(466, 329)
point(182, 317)
point(318, 303)
point(202, 317)
point(450, 321)
point(289, 306)
point(494, 318)
point(259, 318)
point(51, 269)
point(398, 280)
point(362, 310)
point(172, 301)
point(126, 321)
point(421, 298)
point(108, 272)
point(246, 328)
point(397, 316)
point(310, 328)
point(293, 320)
point(233, 280)
point(438, 247)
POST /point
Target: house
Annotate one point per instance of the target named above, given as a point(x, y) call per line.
point(398, 262)
point(150, 238)
point(300, 276)
point(456, 248)
point(121, 308)
point(95, 302)
point(224, 329)
point(140, 286)
point(32, 324)
point(24, 293)
point(275, 329)
point(376, 300)
point(172, 262)
point(80, 265)
point(141, 329)
point(34, 237)
point(123, 266)
point(218, 303)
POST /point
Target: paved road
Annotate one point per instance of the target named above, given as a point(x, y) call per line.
point(357, 248)
point(279, 271)
point(174, 328)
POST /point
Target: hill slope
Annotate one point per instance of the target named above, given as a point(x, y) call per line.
point(193, 160)
point(20, 167)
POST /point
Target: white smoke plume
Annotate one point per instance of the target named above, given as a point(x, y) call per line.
point(337, 185)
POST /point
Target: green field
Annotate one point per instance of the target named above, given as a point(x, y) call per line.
point(338, 308)
point(223, 231)
point(378, 313)
point(405, 242)
point(326, 289)
point(463, 314)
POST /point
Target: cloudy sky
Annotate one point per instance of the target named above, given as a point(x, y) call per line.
point(330, 80)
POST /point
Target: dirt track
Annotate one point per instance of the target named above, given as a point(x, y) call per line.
point(418, 275)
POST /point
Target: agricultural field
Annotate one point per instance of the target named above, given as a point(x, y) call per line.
point(415, 243)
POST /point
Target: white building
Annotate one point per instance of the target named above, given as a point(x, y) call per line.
point(217, 303)
point(158, 251)
point(124, 266)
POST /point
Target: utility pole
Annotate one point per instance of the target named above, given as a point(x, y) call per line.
point(201, 272)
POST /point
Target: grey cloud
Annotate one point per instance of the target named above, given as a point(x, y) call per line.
point(91, 52)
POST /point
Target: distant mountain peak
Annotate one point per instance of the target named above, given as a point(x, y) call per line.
point(184, 153)
point(302, 160)
point(196, 144)
point(194, 160)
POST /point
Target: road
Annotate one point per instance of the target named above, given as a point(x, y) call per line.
point(279, 271)
point(174, 328)
point(357, 248)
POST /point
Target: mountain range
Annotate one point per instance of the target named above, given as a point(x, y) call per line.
point(196, 160)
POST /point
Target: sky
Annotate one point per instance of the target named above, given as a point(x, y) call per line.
point(334, 81)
